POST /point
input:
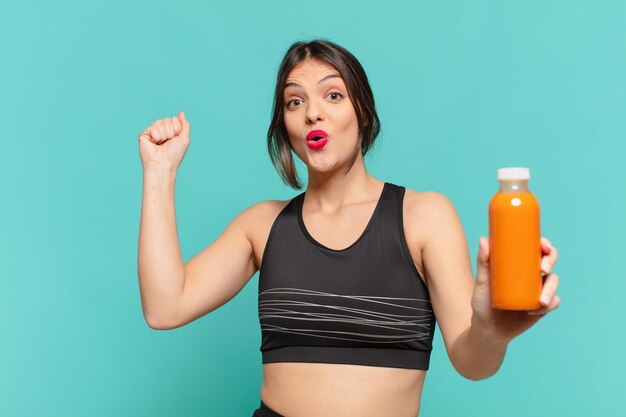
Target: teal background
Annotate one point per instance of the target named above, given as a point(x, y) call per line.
point(462, 88)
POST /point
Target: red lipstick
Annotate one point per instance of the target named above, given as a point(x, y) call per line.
point(316, 139)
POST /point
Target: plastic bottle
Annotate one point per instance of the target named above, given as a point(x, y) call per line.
point(515, 243)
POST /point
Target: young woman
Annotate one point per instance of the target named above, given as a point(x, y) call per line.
point(353, 271)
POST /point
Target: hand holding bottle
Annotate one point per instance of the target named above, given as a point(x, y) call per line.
point(503, 325)
point(163, 144)
point(515, 285)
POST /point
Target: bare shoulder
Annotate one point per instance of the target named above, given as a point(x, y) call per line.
point(435, 218)
point(428, 207)
point(258, 220)
point(434, 211)
point(262, 212)
point(424, 212)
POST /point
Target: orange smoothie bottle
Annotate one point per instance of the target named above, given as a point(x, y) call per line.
point(515, 243)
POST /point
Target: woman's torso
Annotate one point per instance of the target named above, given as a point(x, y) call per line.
point(303, 389)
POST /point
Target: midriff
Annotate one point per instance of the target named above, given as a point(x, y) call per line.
point(296, 389)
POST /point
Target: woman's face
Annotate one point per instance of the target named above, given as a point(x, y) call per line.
point(316, 104)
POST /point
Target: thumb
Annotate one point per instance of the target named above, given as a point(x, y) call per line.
point(184, 123)
point(482, 269)
point(148, 134)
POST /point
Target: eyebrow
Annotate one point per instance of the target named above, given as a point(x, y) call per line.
point(293, 84)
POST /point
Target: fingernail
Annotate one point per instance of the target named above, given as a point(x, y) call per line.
point(545, 266)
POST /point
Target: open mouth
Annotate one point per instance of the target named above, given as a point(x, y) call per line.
point(316, 139)
point(316, 135)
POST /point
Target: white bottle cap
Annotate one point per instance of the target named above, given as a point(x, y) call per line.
point(516, 173)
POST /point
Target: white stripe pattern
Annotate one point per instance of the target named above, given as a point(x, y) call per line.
point(274, 309)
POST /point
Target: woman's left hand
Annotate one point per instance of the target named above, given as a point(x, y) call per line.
point(501, 326)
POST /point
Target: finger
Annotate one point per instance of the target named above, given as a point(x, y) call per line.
point(549, 260)
point(482, 269)
point(185, 124)
point(177, 126)
point(169, 127)
point(546, 265)
point(483, 250)
point(539, 312)
point(548, 248)
point(154, 133)
point(145, 134)
point(546, 245)
point(158, 131)
point(151, 133)
point(553, 254)
point(549, 289)
point(556, 302)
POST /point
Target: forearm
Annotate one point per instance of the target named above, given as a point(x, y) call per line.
point(160, 265)
point(475, 356)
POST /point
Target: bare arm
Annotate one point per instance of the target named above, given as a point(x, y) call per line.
point(215, 275)
point(173, 294)
point(448, 271)
point(475, 334)
point(160, 265)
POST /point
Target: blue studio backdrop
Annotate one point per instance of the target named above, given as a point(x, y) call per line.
point(462, 88)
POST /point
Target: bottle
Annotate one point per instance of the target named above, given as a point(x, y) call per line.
point(515, 243)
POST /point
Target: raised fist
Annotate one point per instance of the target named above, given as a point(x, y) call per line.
point(164, 143)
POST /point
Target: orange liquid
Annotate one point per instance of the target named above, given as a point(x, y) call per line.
point(515, 251)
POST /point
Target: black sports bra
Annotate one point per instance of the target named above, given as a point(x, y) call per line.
point(364, 305)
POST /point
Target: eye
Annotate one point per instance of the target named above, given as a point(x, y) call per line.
point(293, 103)
point(335, 96)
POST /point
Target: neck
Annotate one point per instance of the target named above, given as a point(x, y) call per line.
point(329, 191)
point(513, 186)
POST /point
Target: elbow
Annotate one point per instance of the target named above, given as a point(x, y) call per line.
point(475, 374)
point(476, 377)
point(159, 323)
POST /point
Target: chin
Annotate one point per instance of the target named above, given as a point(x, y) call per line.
point(323, 168)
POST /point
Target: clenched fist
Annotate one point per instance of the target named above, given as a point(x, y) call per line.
point(164, 143)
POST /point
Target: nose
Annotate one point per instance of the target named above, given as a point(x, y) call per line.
point(313, 113)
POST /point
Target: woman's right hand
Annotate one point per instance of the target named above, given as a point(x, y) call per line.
point(164, 143)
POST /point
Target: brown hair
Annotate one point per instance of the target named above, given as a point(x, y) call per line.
point(359, 90)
